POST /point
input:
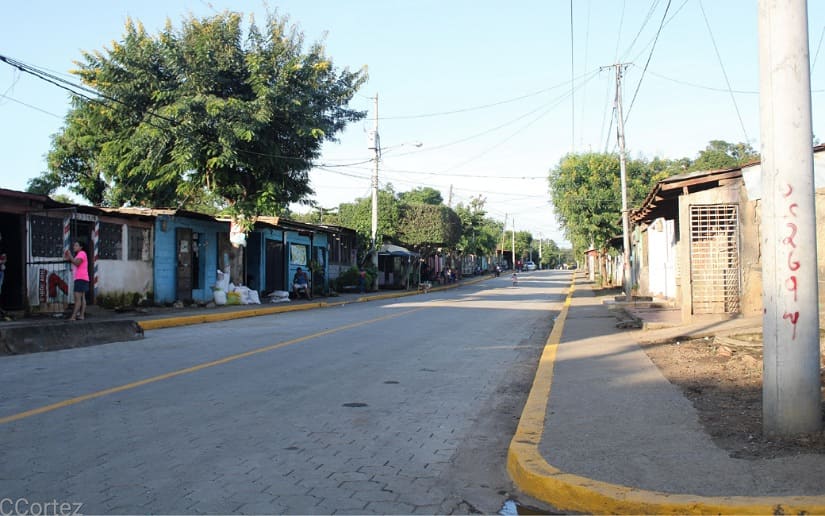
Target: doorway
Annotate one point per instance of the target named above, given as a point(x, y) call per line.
point(82, 231)
point(274, 266)
point(11, 244)
point(184, 273)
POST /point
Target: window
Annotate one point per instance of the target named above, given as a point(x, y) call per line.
point(138, 243)
point(340, 250)
point(298, 254)
point(110, 246)
point(47, 236)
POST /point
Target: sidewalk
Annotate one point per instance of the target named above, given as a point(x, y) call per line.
point(604, 431)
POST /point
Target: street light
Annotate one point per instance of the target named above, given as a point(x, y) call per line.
point(375, 145)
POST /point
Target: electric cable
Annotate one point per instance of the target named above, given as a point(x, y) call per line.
point(649, 57)
point(30, 106)
point(480, 107)
point(724, 72)
point(587, 77)
point(818, 47)
point(644, 24)
point(572, 83)
point(68, 85)
point(619, 33)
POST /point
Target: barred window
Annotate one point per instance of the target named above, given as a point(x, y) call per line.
point(340, 250)
point(111, 241)
point(47, 237)
point(138, 243)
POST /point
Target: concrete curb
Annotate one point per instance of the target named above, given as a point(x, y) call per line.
point(185, 320)
point(18, 340)
point(534, 476)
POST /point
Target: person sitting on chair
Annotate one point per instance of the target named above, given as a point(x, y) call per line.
point(300, 283)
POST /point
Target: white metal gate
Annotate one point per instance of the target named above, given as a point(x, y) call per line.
point(714, 258)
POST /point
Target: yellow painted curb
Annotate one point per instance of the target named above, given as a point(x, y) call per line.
point(536, 477)
point(185, 320)
point(170, 322)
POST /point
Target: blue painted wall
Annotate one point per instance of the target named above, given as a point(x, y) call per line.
point(260, 248)
point(166, 257)
point(318, 240)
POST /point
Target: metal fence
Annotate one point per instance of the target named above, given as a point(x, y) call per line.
point(50, 286)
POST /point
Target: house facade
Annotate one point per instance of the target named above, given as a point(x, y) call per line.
point(36, 231)
point(697, 240)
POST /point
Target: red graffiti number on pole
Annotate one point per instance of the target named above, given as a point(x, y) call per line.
point(793, 318)
point(792, 286)
point(791, 282)
point(789, 240)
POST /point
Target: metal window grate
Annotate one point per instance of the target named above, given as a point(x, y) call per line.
point(714, 258)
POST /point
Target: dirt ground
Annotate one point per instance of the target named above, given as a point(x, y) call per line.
point(722, 376)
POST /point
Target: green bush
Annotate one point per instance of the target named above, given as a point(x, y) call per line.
point(349, 278)
point(113, 300)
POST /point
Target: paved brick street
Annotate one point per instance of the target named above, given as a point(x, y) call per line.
point(398, 406)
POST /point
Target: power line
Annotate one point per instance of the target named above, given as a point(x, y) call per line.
point(572, 92)
point(722, 65)
point(514, 134)
point(30, 106)
point(818, 46)
point(667, 22)
point(584, 66)
point(701, 86)
point(605, 111)
point(649, 57)
point(475, 108)
point(644, 24)
point(586, 77)
point(69, 85)
point(619, 33)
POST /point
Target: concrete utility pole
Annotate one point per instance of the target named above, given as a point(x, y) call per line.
point(503, 236)
point(450, 198)
point(514, 243)
point(376, 147)
point(627, 279)
point(790, 389)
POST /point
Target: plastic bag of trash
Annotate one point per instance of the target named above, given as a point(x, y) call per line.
point(278, 296)
point(222, 282)
point(219, 296)
point(233, 298)
point(254, 299)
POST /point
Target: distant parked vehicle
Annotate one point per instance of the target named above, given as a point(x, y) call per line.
point(530, 266)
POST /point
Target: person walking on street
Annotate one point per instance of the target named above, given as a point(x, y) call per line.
point(80, 274)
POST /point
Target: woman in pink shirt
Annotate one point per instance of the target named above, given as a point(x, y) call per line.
point(80, 272)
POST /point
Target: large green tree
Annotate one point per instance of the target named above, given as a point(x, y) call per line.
point(720, 154)
point(428, 225)
point(357, 215)
point(479, 233)
point(237, 110)
point(585, 190)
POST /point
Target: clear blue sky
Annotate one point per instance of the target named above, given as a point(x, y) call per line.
point(435, 56)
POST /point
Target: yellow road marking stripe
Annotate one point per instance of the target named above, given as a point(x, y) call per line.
point(180, 372)
point(536, 477)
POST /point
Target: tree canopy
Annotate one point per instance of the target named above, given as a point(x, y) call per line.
point(479, 233)
point(720, 154)
point(421, 195)
point(585, 190)
point(238, 113)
